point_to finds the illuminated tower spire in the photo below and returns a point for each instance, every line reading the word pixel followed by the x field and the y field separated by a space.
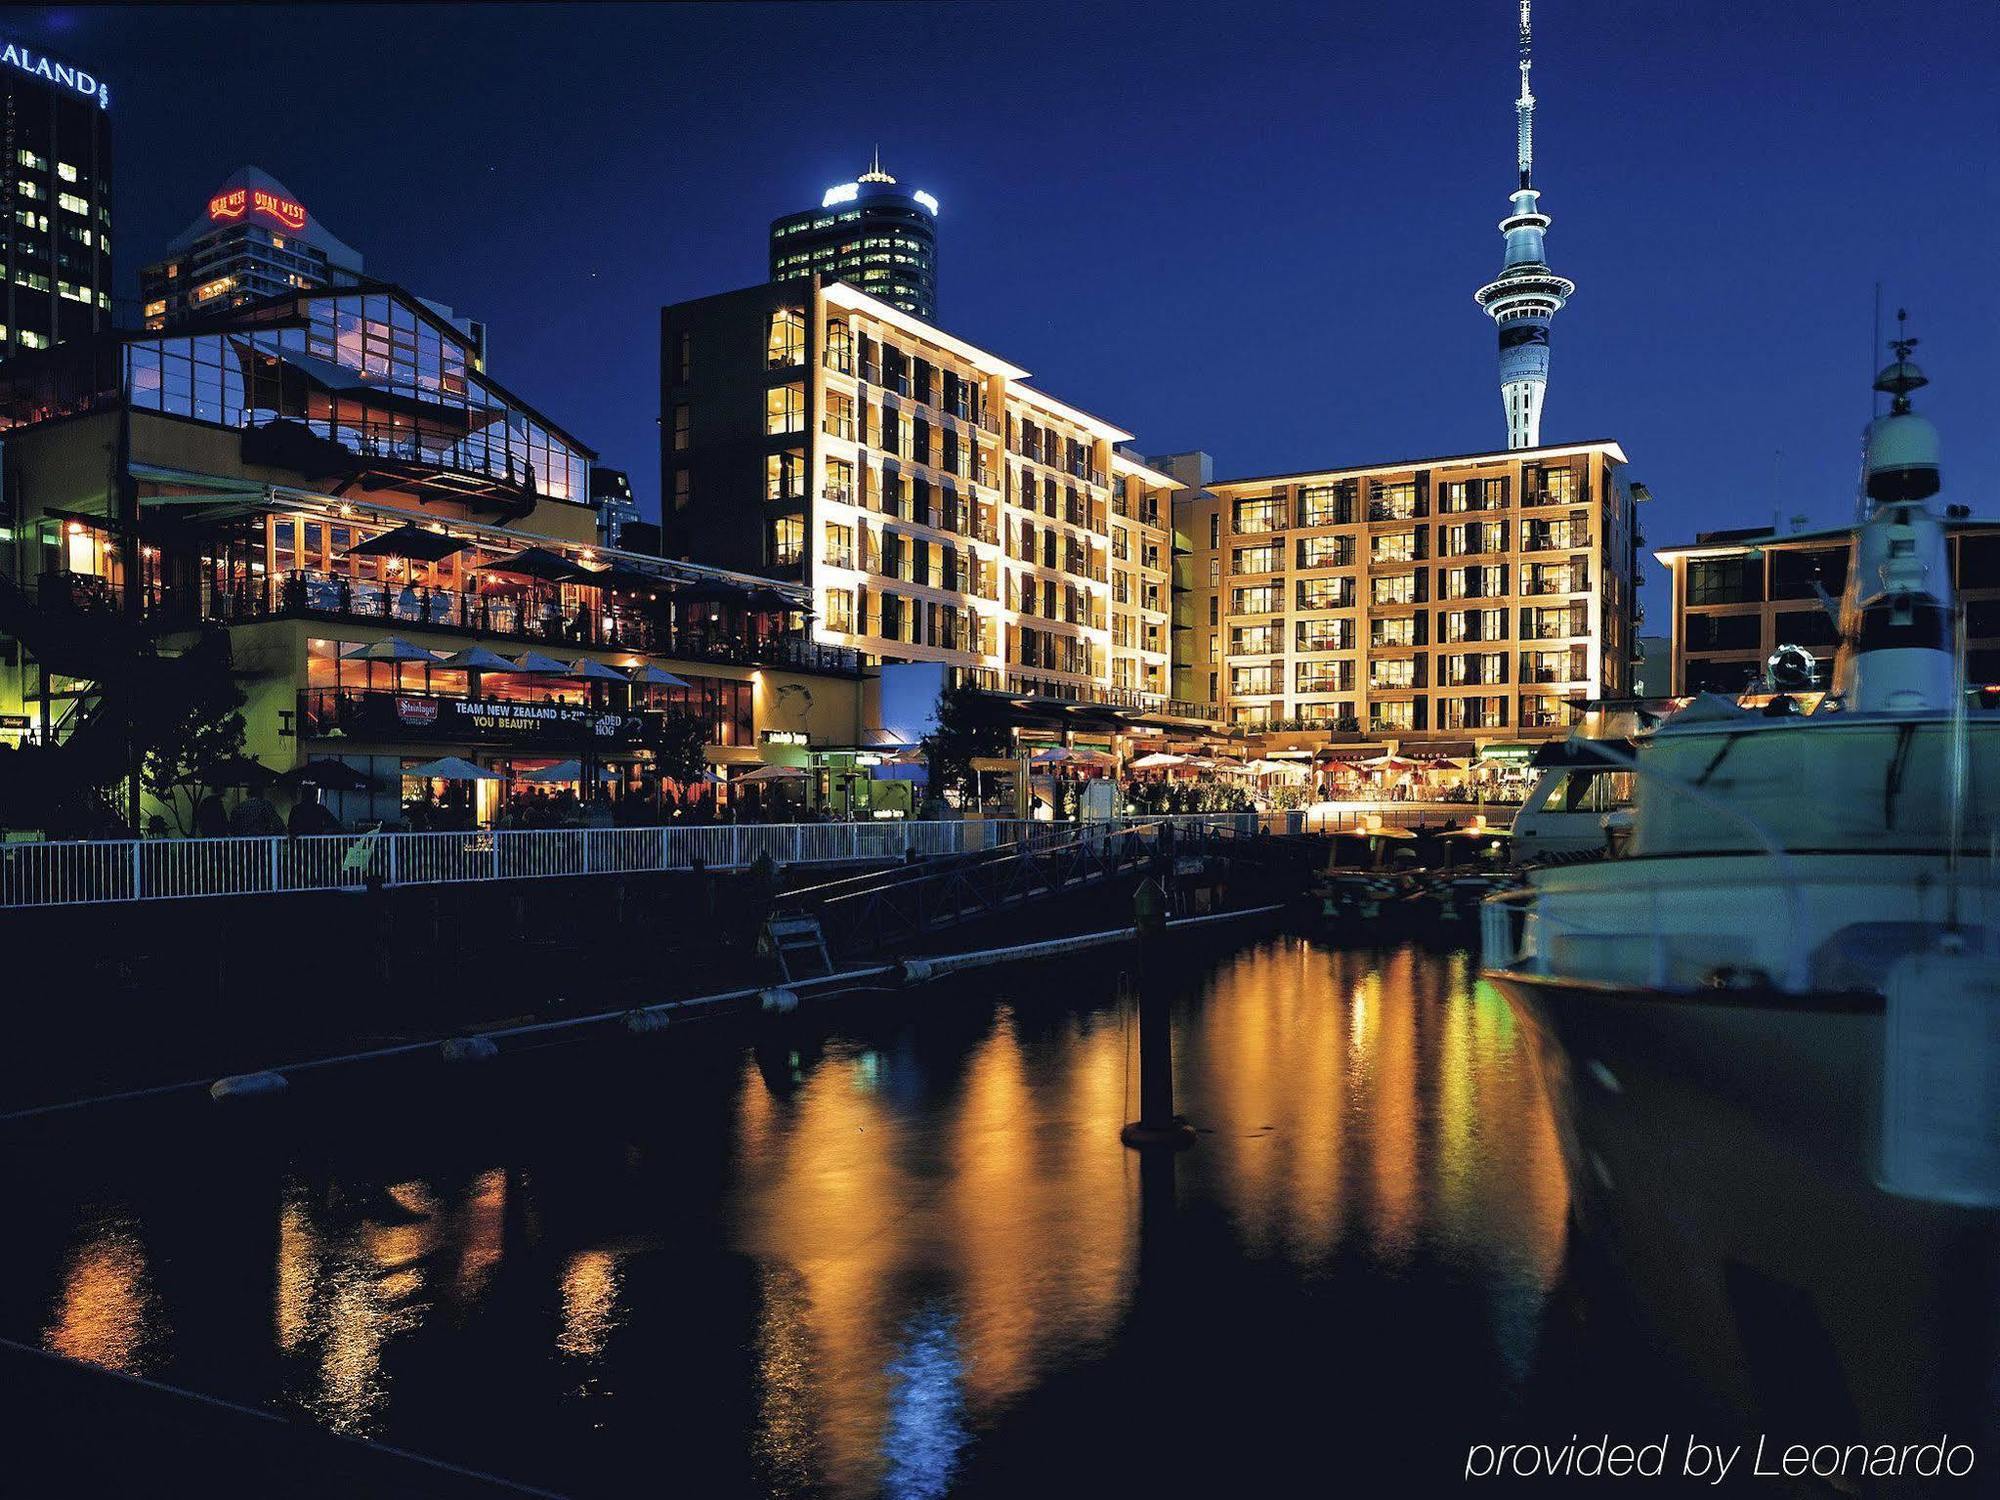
pixel 1528 294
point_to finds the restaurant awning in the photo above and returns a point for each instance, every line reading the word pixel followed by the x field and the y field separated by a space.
pixel 412 543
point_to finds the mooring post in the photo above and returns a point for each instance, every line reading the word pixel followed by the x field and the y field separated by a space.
pixel 1157 1124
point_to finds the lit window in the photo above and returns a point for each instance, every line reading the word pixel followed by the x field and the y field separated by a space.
pixel 65 171
pixel 785 409
pixel 786 345
pixel 33 162
pixel 683 427
pixel 73 203
pixel 33 340
pixel 156 309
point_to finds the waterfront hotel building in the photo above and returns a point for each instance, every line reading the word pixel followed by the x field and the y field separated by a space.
pixel 398 554
pixel 1480 597
pixel 55 130
pixel 934 505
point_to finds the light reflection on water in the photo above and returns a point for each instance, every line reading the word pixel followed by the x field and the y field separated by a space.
pixel 930 1231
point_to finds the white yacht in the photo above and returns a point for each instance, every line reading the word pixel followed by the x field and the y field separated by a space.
pixel 1768 1018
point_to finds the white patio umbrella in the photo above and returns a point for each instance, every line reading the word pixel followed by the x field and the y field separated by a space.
pixel 394 648
pixel 475 659
pixel 774 773
pixel 1159 760
pixel 652 676
pixel 1054 755
pixel 535 662
pixel 567 770
pixel 451 768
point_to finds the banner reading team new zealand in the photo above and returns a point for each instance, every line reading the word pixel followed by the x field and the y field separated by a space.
pixel 486 718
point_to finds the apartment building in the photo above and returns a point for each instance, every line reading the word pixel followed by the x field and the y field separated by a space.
pixel 1473 596
pixel 938 507
pixel 1739 595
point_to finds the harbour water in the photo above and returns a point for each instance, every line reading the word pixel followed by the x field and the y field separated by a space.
pixel 891 1249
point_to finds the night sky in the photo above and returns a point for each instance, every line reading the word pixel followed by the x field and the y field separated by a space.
pixel 1254 229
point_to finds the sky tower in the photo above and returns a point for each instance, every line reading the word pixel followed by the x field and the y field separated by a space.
pixel 1528 294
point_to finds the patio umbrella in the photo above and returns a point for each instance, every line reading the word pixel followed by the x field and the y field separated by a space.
pixel 411 543
pixel 1158 760
pixel 769 600
pixel 1054 755
pixel 394 648
pixel 538 664
pixel 239 770
pixel 774 773
pixel 536 562
pixel 712 591
pixel 626 580
pixel 651 676
pixel 328 776
pixel 476 659
pixel 596 671
pixel 450 768
pixel 1388 763
pixel 566 770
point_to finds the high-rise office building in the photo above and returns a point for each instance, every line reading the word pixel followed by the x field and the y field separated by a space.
pixel 57 228
pixel 871 233
pixel 1480 596
pixel 255 240
pixel 612 498
pixel 1527 295
pixel 939 508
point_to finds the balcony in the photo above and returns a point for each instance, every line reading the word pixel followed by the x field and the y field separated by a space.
pixel 543 621
pixel 839 494
pixel 837 426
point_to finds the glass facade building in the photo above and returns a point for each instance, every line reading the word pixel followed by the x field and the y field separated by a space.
pixel 871 233
pixel 55 126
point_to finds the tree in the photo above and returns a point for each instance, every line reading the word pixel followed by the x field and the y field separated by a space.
pixel 962 734
pixel 681 746
pixel 203 734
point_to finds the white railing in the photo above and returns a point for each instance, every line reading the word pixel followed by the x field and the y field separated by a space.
pixel 55 874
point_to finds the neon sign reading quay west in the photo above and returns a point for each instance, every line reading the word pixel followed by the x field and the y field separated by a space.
pixel 235 203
